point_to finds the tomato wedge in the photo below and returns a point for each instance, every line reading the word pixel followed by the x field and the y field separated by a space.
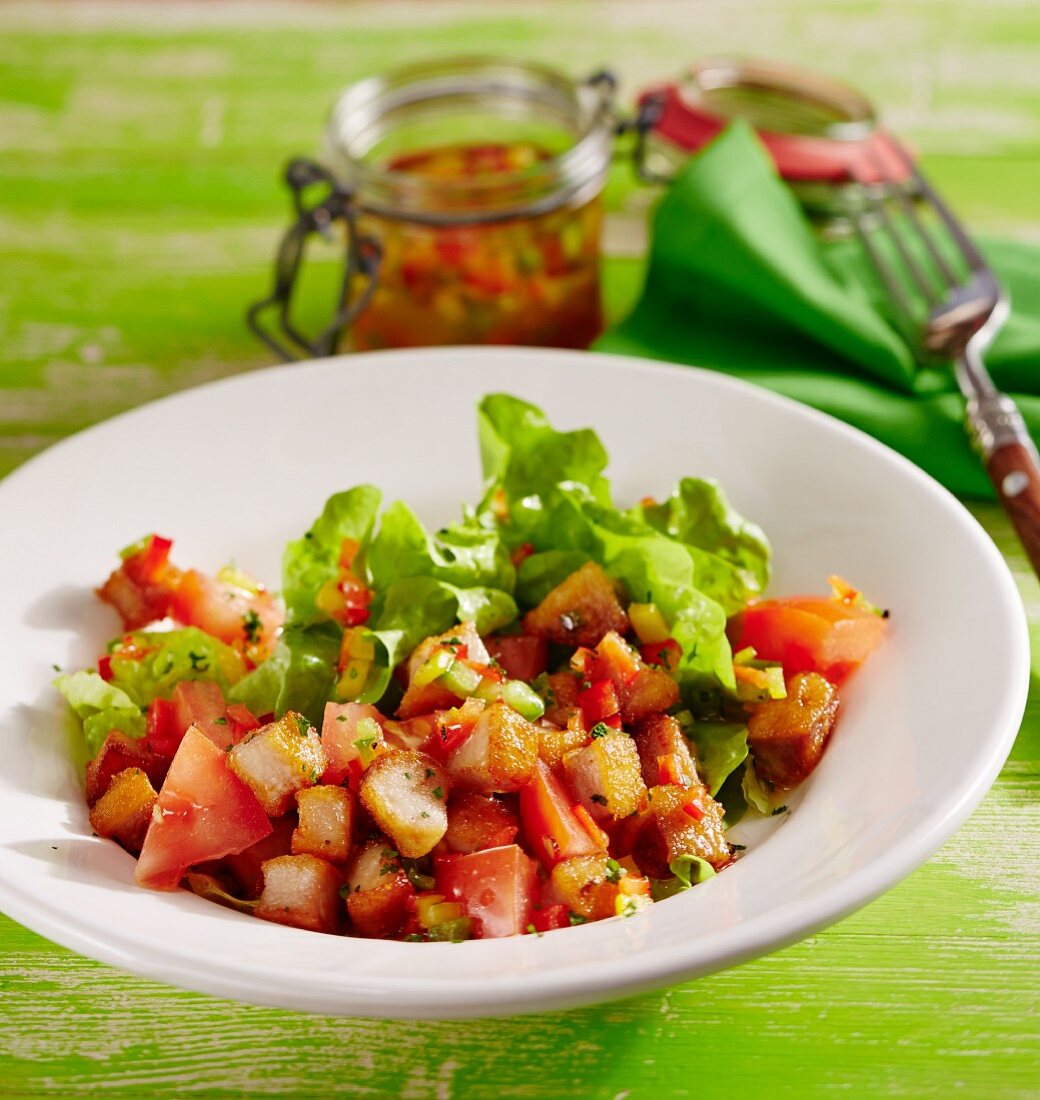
pixel 550 827
pixel 523 656
pixel 810 634
pixel 204 812
pixel 497 887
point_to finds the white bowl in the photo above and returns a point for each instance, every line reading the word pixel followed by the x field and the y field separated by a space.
pixel 235 468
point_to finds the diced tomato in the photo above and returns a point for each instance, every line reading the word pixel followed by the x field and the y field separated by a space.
pixel 522 656
pixel 149 565
pixel 620 662
pixel 161 733
pixel 200 703
pixel 204 812
pixel 547 917
pixel 246 619
pixel 550 828
pixel 810 634
pixel 339 731
pixel 118 753
pixel 598 701
pixel 667 654
pixel 596 834
pixel 242 721
pixel 451 728
pixel 497 887
pixel 670 770
pixel 142 588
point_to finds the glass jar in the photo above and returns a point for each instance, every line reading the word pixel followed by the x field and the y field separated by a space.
pixel 470 191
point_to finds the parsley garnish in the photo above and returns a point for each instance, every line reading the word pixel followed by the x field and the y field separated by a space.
pixel 600 729
pixel 199 663
pixel 302 725
pixel 615 872
pixel 577 918
pixel 253 626
pixel 438 792
pixel 220 721
pixel 430 773
pixel 779 810
pixel 599 799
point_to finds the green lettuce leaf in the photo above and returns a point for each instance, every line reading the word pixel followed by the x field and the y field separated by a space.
pixel 299 675
pixel 185 654
pixel 527 460
pixel 101 707
pixel 721 749
pixel 759 794
pixel 654 568
pixel 310 561
pixel 467 555
pixel 731 555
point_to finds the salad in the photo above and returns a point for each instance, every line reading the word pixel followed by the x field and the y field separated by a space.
pixel 547 713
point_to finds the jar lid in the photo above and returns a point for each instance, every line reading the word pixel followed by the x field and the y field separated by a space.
pixel 816 129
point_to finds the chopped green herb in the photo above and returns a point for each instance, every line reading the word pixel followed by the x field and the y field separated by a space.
pixel 615 872
pixel 779 810
pixel 599 799
pixel 430 773
pixel 220 721
pixel 199 662
pixel 438 792
pixel 302 725
pixel 600 729
pixel 253 626
pixel 577 918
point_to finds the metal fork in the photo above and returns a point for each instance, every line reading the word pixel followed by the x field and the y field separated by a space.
pixel 962 314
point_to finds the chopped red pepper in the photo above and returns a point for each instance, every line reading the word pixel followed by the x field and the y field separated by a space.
pixel 667 654
pixel 596 834
pixel 670 770
pixel 104 667
pixel 160 735
pixel 521 553
pixel 693 809
pixel 599 701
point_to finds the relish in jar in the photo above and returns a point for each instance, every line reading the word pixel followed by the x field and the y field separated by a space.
pixel 528 280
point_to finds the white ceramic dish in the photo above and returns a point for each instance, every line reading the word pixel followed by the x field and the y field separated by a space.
pixel 237 467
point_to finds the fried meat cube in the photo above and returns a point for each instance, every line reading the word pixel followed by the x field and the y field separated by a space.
pixel 679 822
pixel 787 736
pixel 124 811
pixel 278 760
pixel 302 891
pixel 406 793
pixel 326 823
pixel 378 890
pixel 579 610
pixel 606 777
pixel 477 821
pixel 499 755
pixel 659 736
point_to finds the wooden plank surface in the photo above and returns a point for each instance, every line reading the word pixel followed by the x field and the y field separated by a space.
pixel 139 203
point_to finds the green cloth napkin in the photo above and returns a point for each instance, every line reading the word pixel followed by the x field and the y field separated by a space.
pixel 739 281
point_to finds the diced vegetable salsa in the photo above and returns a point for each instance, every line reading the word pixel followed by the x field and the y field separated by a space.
pixel 545 714
pixel 526 280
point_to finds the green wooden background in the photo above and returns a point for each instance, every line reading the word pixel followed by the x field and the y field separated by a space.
pixel 139 204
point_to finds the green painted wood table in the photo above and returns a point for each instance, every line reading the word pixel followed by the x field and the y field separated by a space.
pixel 139 203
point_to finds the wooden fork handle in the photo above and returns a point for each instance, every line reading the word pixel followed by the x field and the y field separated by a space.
pixel 1012 464
pixel 1015 474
